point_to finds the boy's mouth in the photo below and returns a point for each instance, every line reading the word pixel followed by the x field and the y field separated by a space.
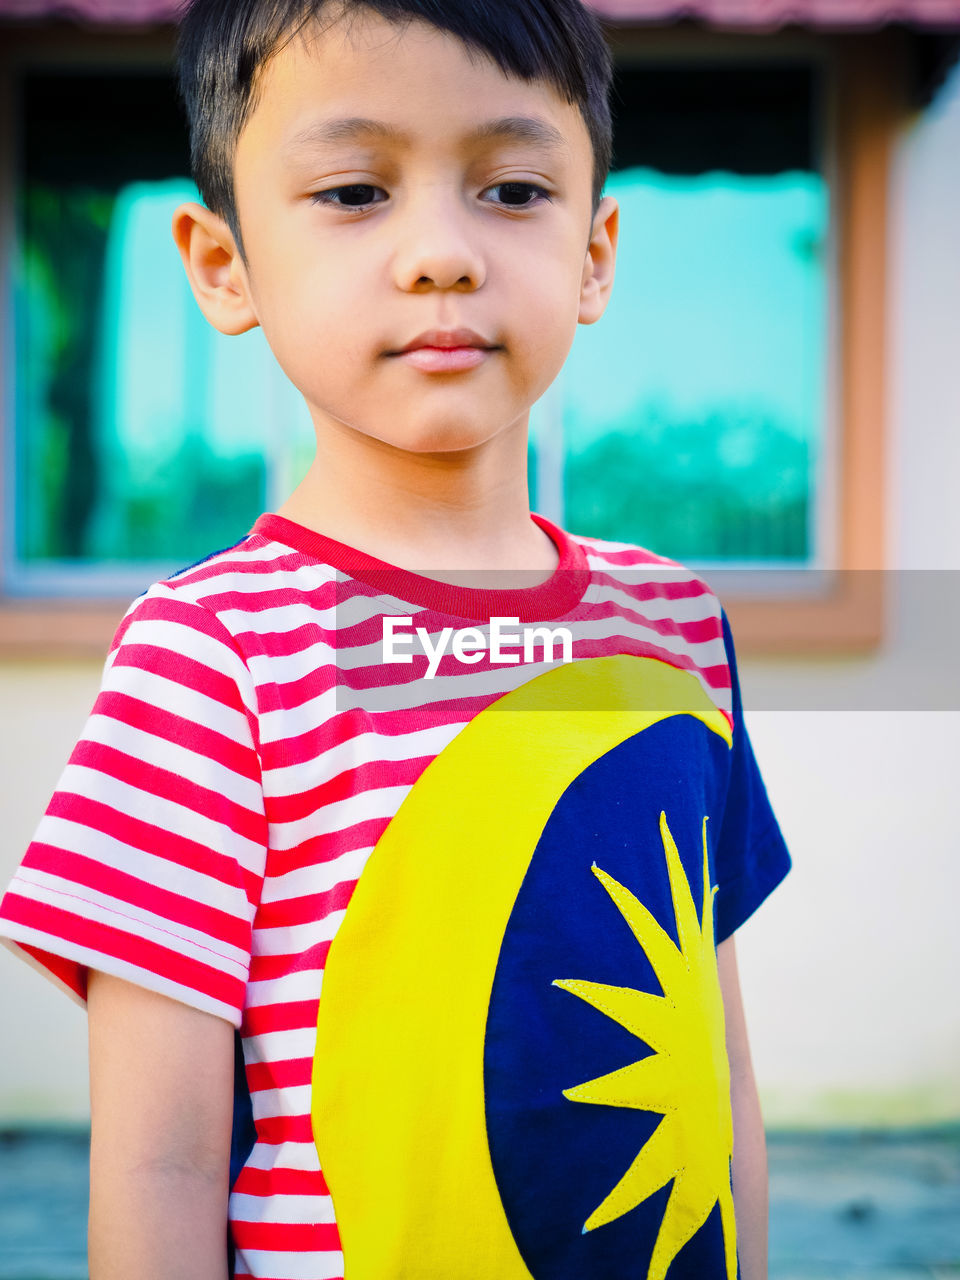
pixel 446 350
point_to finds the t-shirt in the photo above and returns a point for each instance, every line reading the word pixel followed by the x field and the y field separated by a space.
pixel 454 862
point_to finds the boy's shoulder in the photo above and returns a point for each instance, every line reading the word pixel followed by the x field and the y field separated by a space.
pixel 258 558
pixel 632 566
pixel 621 552
pixel 252 575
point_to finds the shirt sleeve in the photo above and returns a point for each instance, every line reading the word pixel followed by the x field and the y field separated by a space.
pixel 751 857
pixel 149 861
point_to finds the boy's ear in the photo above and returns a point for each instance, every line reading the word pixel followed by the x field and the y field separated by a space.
pixel 598 269
pixel 214 268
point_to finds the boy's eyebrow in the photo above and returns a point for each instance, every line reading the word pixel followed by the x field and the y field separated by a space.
pixel 531 129
pixel 520 129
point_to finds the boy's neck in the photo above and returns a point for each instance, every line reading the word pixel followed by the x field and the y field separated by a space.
pixel 435 514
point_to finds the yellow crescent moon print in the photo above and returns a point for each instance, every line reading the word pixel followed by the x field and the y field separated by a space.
pixel 398 1089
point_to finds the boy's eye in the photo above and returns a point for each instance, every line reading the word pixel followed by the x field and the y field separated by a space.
pixel 519 195
pixel 356 195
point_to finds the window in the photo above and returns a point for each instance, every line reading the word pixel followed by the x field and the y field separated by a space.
pixel 728 409
pixel 142 437
pixel 693 417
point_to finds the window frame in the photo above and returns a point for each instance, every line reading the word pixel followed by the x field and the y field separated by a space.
pixel 865 79
pixel 57 625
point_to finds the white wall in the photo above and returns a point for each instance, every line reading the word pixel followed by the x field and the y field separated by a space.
pixel 925 334
pixel 43 1067
pixel 850 970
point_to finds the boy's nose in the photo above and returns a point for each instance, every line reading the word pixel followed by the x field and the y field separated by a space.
pixel 438 252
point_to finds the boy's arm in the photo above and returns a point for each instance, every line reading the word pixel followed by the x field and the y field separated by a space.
pixel 750 1187
pixel 161 1100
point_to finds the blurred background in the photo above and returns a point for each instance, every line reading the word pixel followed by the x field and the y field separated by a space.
pixel 773 396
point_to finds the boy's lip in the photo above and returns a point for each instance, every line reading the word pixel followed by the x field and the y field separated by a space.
pixel 446 340
pixel 446 351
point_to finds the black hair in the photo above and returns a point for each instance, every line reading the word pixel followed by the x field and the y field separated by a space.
pixel 223 45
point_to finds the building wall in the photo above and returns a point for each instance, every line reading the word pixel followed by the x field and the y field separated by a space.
pixel 849 970
pixel 43 1069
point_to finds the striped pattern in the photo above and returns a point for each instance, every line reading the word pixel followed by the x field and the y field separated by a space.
pixel 246 752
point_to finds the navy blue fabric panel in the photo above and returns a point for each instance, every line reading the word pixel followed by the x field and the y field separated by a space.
pixel 244 1133
pixel 555 1159
pixel 751 856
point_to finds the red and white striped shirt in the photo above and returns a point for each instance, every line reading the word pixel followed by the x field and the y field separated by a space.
pixel 247 751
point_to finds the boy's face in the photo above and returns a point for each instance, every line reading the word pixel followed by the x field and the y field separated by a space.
pixel 391 191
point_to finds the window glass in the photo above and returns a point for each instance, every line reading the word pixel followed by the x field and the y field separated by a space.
pixel 144 438
pixel 691 418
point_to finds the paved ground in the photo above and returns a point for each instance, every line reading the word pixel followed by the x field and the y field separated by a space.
pixel 865 1208
pixel 43 1206
pixel 844 1207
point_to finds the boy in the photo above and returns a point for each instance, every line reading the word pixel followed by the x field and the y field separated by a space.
pixel 489 1009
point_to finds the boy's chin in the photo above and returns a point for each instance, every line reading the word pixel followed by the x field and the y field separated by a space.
pixel 441 438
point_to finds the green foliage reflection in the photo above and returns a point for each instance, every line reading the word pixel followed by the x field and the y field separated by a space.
pixel 695 490
pixel 81 497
